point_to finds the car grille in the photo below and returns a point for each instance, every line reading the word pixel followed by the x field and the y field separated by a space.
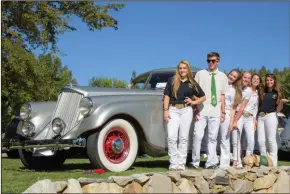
pixel 67 109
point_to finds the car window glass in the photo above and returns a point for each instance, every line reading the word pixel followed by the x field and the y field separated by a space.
pixel 139 82
pixel 159 80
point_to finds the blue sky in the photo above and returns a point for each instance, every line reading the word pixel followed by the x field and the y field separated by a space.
pixel 160 34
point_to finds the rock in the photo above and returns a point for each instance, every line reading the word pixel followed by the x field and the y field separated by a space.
pixel 208 173
pixel 264 183
pixel 286 168
pixel 174 176
pixel 211 183
pixel 239 173
pixel 162 173
pixel 253 170
pixel 262 171
pixel 73 187
pixel 158 184
pixel 102 188
pixel 259 174
pixel 228 190
pixel 220 172
pixel 201 185
pixel 148 173
pixel 134 187
pixel 175 188
pixel 266 168
pixel 251 176
pixel 140 178
pixel 85 181
pixel 282 184
pixel 121 180
pixel 186 186
pixel 60 186
pixel 221 181
pixel 275 170
pixel 242 186
pixel 218 189
pixel 190 174
pixel 270 190
pixel 42 186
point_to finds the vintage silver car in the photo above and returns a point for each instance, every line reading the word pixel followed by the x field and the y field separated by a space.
pixel 110 124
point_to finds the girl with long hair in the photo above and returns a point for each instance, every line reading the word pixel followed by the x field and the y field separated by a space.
pixel 232 99
pixel 271 103
pixel 178 113
pixel 244 118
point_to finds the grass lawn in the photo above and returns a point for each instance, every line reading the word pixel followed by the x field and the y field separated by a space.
pixel 16 178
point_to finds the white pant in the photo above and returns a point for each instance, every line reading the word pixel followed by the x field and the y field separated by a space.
pixel 225 142
pixel 199 128
pixel 267 128
pixel 246 124
pixel 178 127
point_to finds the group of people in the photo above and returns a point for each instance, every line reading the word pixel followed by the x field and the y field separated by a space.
pixel 228 106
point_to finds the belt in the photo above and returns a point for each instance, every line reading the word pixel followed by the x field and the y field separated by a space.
pixel 262 114
pixel 179 106
pixel 247 114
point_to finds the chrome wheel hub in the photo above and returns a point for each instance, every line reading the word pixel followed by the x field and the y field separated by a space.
pixel 118 145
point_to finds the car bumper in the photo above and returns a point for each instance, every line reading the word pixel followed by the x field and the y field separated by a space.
pixel 48 143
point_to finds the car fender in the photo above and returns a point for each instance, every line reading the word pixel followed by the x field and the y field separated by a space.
pixel 135 109
pixel 40 116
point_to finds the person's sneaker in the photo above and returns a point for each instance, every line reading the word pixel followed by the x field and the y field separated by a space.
pixel 194 166
pixel 211 167
pixel 181 168
pixel 173 168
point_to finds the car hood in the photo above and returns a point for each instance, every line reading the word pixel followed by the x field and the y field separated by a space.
pixel 98 91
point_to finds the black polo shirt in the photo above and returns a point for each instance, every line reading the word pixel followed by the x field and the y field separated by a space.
pixel 268 104
pixel 186 89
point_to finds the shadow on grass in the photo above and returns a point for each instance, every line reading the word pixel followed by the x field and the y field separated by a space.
pixel 65 167
pixel 159 164
pixel 87 166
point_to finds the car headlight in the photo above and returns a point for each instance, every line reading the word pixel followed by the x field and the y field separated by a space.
pixel 25 111
pixel 57 125
pixel 27 128
pixel 86 105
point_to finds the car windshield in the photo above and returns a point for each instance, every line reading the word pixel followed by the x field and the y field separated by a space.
pixel 159 80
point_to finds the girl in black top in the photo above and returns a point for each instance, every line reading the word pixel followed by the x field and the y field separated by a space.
pixel 271 103
pixel 178 114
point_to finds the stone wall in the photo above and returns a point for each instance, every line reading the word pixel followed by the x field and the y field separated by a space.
pixel 256 180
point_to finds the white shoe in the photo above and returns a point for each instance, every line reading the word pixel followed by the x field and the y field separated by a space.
pixel 173 168
pixel 181 168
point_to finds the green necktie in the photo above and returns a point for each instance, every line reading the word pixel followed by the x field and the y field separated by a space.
pixel 213 90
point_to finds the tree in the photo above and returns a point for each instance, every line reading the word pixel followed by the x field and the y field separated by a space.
pixel 29 25
pixel 263 71
pixel 107 82
pixel 134 75
pixel 38 23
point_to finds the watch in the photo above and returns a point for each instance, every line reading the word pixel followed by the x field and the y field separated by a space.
pixel 224 113
pixel 165 109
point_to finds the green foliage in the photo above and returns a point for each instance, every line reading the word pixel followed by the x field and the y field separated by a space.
pixel 37 24
pixel 23 79
pixel 134 75
pixel 107 82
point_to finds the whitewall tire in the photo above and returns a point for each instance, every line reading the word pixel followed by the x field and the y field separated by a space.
pixel 115 147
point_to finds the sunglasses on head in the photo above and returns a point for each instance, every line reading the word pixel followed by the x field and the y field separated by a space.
pixel 270 74
pixel 213 61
